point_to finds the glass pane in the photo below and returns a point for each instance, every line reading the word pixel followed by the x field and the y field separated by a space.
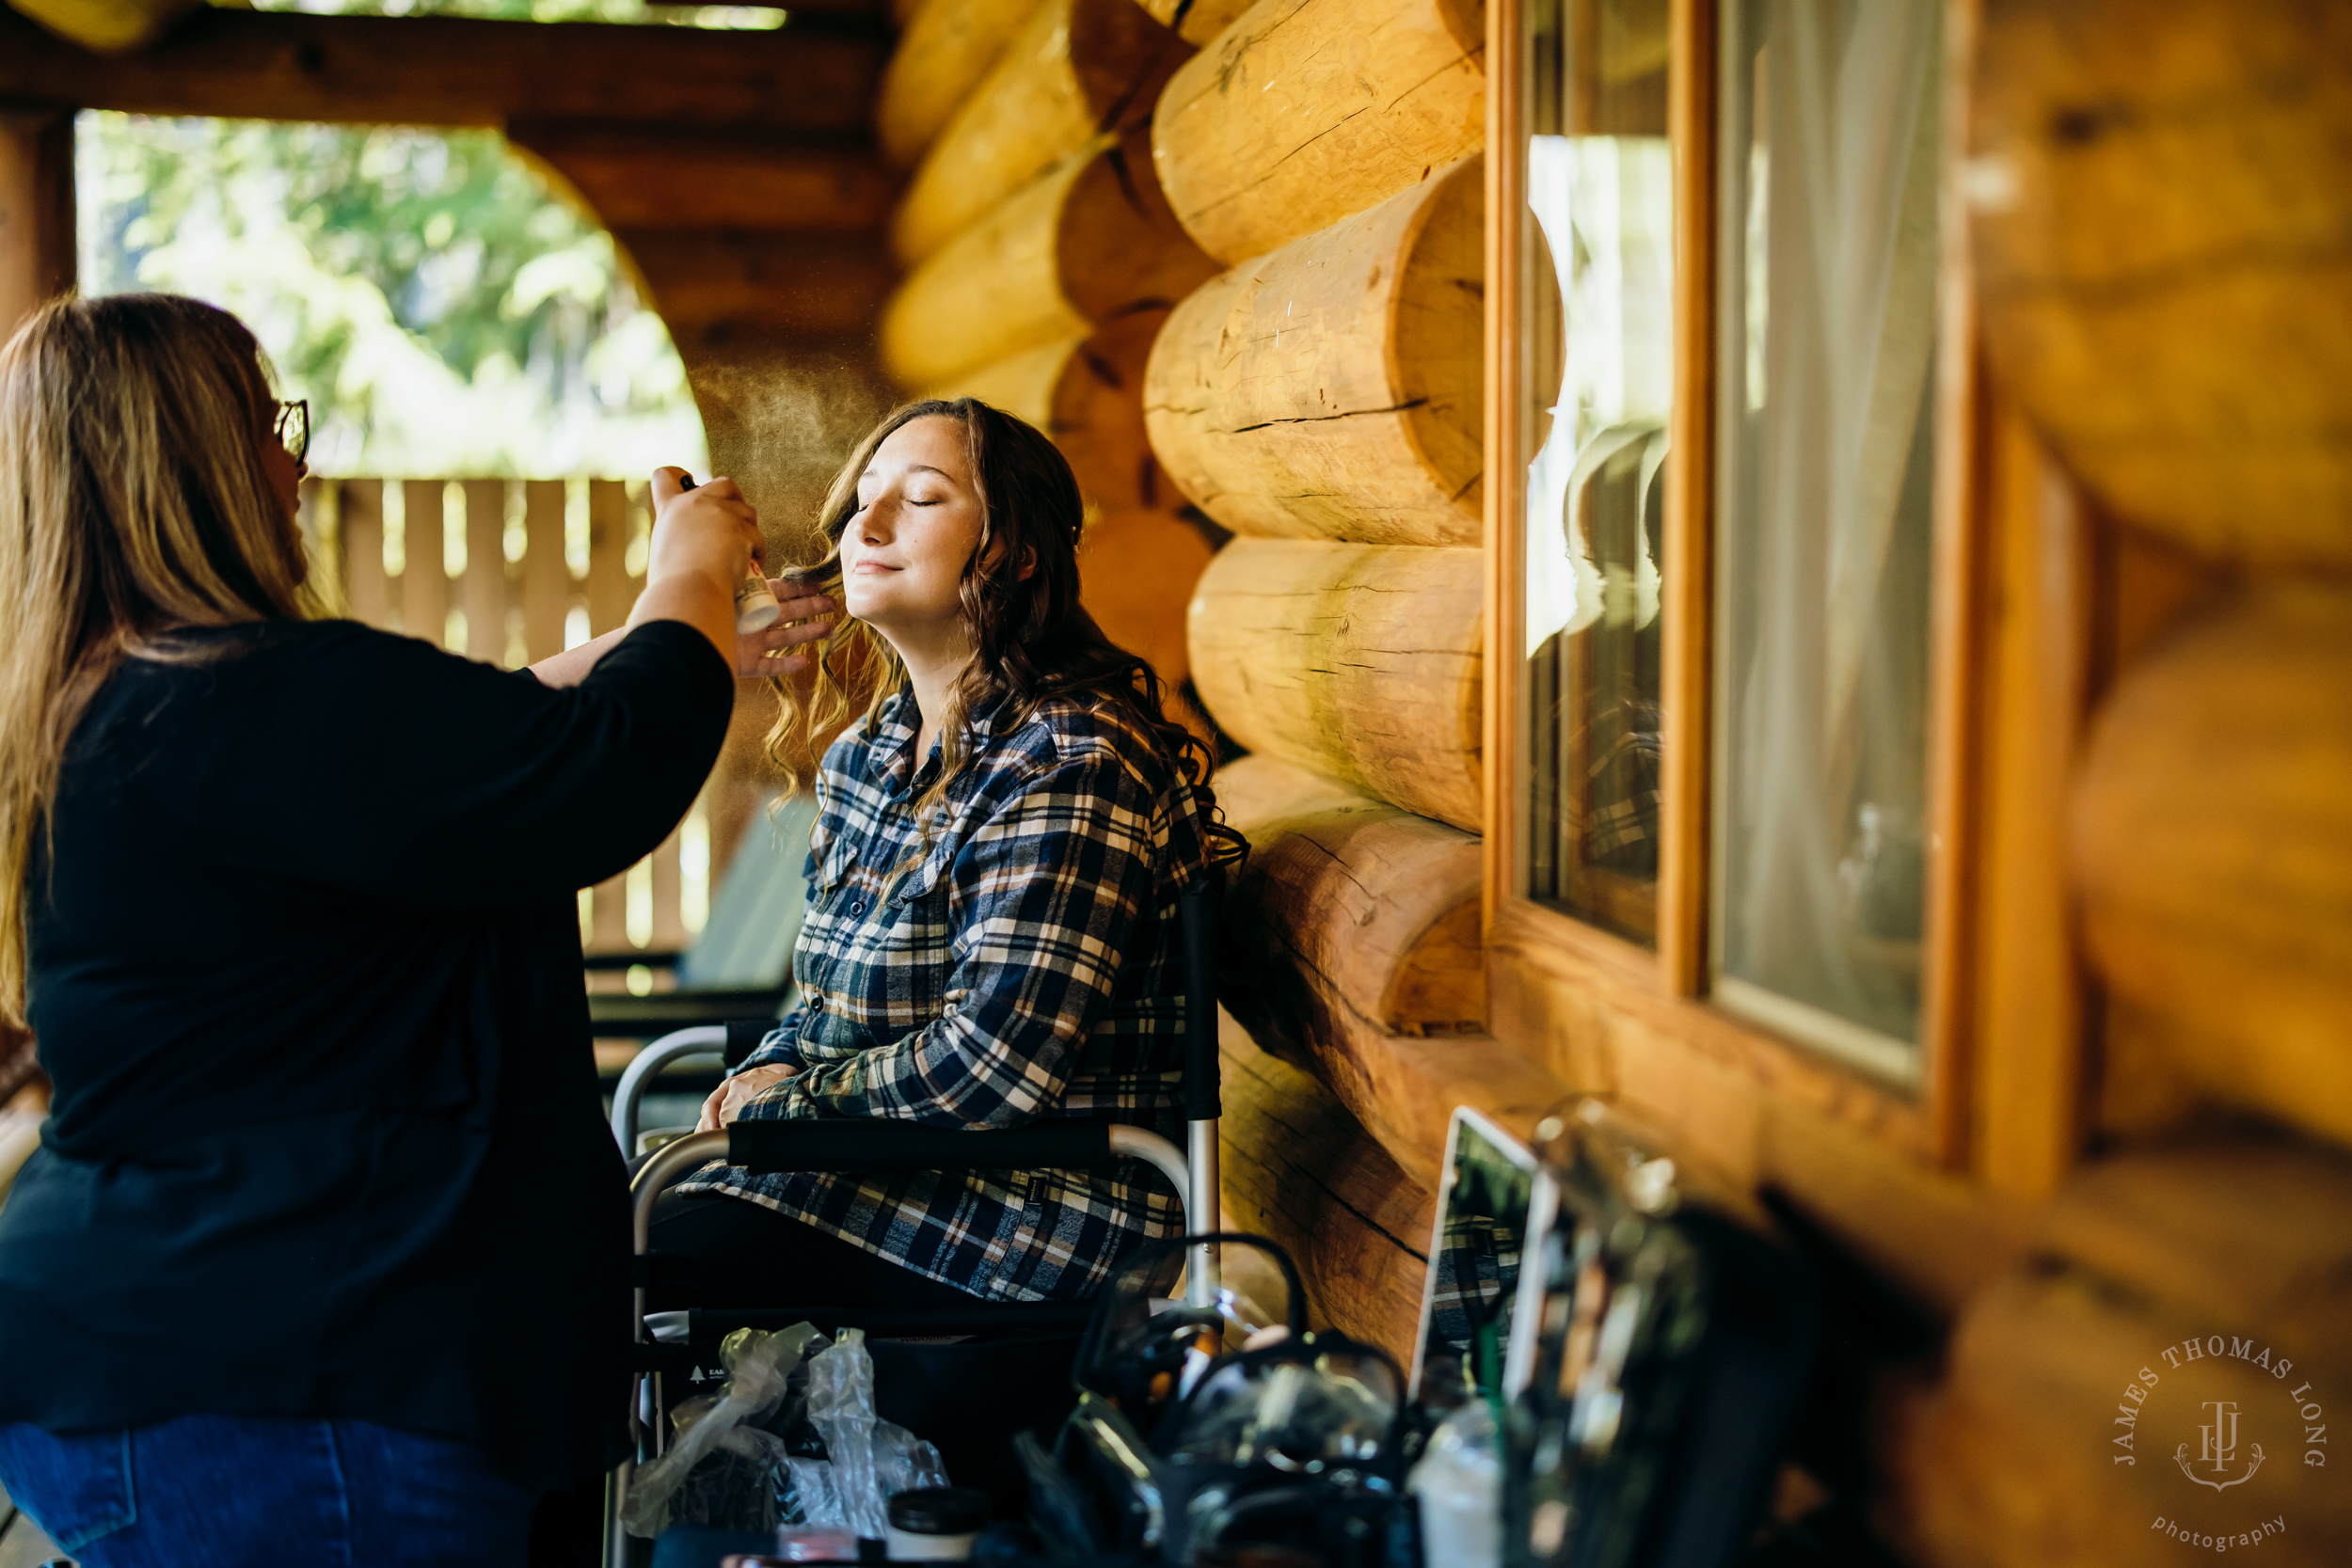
pixel 1829 261
pixel 1599 276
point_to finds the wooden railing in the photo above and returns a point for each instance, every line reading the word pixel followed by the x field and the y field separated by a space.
pixel 512 570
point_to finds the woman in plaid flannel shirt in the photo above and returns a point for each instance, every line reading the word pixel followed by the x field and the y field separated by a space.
pixel 992 932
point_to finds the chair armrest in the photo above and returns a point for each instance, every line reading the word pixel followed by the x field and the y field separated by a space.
pixel 866 1147
pixel 665 959
pixel 613 1013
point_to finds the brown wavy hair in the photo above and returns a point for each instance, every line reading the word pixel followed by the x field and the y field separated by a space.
pixel 1032 640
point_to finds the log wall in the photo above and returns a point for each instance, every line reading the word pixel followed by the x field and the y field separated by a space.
pixel 1044 260
pixel 1303 112
pixel 1332 390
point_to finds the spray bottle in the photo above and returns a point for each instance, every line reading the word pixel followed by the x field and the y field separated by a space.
pixel 755 606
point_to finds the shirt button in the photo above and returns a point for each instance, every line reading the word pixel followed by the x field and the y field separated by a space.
pixel 816 1003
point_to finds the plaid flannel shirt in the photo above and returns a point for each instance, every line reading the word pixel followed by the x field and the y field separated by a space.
pixel 1027 964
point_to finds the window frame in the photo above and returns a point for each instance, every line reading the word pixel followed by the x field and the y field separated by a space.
pixel 2004 1054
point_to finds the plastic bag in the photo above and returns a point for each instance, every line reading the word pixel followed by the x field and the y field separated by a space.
pixel 739 1485
pixel 866 1458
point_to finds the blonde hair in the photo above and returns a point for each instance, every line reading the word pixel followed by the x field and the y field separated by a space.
pixel 134 502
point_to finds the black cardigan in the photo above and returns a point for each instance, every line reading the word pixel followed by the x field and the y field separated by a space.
pixel 305 970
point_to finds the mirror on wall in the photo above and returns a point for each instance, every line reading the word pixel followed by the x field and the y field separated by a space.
pixel 1598 331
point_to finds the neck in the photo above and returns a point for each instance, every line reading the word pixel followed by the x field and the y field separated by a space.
pixel 934 658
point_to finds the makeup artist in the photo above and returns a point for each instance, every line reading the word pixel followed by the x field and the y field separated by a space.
pixel 323 1258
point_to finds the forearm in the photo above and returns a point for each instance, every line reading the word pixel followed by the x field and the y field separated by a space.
pixel 701 599
pixel 571 666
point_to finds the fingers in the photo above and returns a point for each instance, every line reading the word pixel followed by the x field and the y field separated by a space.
pixel 708 1120
pixel 800 600
pixel 726 490
pixel 668 484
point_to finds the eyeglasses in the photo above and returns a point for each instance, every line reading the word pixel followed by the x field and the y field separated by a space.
pixel 293 428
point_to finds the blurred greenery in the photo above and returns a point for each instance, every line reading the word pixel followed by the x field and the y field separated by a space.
pixel 442 310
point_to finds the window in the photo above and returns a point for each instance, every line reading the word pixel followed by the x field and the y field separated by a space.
pixel 1826 328
pixel 1597 322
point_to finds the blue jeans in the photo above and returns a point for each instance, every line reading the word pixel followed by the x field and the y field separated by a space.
pixel 263 1492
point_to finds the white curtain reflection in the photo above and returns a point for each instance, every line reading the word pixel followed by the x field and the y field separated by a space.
pixel 1825 520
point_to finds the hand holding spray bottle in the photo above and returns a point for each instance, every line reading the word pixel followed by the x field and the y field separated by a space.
pixel 755 606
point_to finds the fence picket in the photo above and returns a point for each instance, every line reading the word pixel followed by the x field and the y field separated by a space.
pixel 539 594
pixel 360 513
pixel 423 585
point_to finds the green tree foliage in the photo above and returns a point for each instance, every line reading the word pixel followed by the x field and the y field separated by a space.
pixel 442 310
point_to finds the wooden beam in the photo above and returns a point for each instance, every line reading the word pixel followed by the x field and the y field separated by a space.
pixel 947 48
pixel 1090 242
pixel 738 281
pixel 37 248
pixel 108 26
pixel 1332 388
pixel 1079 69
pixel 445 70
pixel 1304 111
pixel 661 179
pixel 1357 662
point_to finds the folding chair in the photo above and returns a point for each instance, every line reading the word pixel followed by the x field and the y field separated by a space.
pixel 864 1147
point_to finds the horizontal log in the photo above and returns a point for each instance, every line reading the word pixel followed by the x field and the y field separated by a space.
pixel 448 71
pixel 736 280
pixel 1304 111
pixel 2016 1459
pixel 2213 850
pixel 1089 242
pixel 1135 570
pixel 107 26
pixel 1087 393
pixel 948 48
pixel 1357 662
pixel 1197 22
pixel 2163 238
pixel 1295 1169
pixel 660 180
pixel 1077 70
pixel 1332 390
pixel 1379 905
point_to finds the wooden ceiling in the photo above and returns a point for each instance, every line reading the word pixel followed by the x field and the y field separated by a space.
pixel 737 168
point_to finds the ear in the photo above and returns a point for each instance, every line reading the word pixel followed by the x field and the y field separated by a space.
pixel 1028 564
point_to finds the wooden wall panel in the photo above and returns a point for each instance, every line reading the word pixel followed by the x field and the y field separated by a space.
pixel 1086 244
pixel 1306 111
pixel 2163 235
pixel 947 48
pixel 1077 70
pixel 1357 662
pixel 1332 388
pixel 2212 834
